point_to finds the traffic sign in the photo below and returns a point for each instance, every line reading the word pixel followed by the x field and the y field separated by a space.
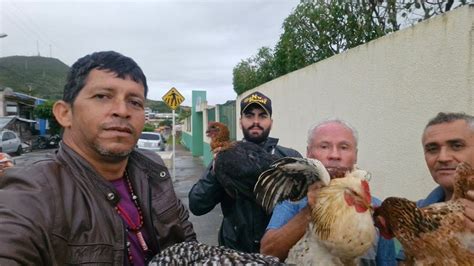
pixel 173 98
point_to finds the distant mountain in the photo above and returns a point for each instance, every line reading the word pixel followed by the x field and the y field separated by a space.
pixel 158 106
pixel 42 77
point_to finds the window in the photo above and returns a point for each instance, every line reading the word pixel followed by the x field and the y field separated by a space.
pixel 150 136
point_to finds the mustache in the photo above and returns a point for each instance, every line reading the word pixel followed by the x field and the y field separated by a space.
pixel 119 126
pixel 255 126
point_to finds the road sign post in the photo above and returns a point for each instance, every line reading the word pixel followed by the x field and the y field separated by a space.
pixel 173 99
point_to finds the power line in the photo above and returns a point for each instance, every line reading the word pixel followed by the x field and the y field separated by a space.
pixel 30 29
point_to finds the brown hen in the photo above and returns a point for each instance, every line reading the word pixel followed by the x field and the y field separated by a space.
pixel 219 135
pixel 433 235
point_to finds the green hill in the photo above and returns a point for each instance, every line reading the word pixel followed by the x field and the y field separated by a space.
pixel 38 76
pixel 44 77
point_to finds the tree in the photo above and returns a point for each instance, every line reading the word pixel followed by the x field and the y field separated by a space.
pixel 183 114
pixel 166 122
pixel 254 71
pixel 244 76
pixel 318 29
pixel 45 111
pixel 147 127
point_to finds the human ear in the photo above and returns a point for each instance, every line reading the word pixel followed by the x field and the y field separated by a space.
pixel 63 113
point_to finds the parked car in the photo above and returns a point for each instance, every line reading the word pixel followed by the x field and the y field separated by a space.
pixel 151 141
pixel 10 142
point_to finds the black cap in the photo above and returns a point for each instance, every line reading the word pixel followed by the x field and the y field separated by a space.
pixel 257 98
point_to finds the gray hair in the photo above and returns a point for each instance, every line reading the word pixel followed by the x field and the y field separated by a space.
pixel 329 121
pixel 442 118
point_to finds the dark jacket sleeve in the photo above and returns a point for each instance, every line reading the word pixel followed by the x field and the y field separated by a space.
pixel 23 220
pixel 205 194
pixel 287 152
pixel 165 201
pixel 187 226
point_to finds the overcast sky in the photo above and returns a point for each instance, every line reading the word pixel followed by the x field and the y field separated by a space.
pixel 187 44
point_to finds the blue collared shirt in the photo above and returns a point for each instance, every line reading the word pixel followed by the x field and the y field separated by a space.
pixel 382 253
pixel 437 195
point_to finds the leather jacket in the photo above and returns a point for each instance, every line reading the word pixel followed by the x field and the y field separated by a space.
pixel 61 211
pixel 244 221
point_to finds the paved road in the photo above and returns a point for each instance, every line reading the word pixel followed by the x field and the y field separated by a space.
pixel 188 170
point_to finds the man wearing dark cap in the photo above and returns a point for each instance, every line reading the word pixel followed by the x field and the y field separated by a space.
pixel 244 220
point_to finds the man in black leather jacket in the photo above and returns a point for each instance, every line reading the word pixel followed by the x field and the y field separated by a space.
pixel 98 200
pixel 244 220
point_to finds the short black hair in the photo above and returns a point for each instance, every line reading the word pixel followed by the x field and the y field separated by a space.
pixel 122 66
pixel 442 118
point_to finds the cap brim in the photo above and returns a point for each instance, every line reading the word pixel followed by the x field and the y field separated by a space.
pixel 259 104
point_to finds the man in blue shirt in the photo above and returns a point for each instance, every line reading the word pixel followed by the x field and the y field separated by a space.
pixel 448 139
pixel 334 143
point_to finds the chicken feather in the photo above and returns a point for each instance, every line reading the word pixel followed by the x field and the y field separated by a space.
pixel 433 235
pixel 341 227
pixel 288 178
pixel 237 164
pixel 195 253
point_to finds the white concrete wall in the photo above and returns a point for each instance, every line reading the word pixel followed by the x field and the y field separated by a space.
pixel 388 89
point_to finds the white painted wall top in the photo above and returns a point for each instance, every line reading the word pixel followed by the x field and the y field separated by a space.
pixel 387 89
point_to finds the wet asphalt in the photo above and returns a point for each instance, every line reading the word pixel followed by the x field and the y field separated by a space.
pixel 189 170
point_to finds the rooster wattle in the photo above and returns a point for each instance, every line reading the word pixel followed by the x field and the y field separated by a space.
pixel 341 227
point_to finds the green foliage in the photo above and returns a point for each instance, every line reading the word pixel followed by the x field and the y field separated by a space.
pixel 318 29
pixel 184 113
pixel 41 77
pixel 45 111
pixel 166 122
pixel 244 77
pixel 158 106
pixel 148 127
pixel 254 71
pixel 44 77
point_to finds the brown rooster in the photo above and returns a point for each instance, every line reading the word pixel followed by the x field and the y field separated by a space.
pixel 433 235
pixel 237 164
pixel 341 228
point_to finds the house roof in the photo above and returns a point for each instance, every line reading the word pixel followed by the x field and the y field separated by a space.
pixel 5 120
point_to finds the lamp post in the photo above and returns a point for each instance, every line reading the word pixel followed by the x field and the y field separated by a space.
pixel 3 35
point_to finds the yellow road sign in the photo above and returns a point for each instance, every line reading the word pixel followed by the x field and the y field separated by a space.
pixel 173 98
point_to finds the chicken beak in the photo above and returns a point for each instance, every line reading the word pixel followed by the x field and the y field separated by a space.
pixel 371 207
pixel 368 205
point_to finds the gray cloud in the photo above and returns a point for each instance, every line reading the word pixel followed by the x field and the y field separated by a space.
pixel 191 45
